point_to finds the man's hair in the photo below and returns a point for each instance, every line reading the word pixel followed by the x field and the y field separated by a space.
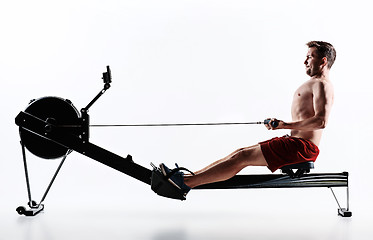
pixel 324 49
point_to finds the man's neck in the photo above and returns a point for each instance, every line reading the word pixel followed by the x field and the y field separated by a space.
pixel 322 75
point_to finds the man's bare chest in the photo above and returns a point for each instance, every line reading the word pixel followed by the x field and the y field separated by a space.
pixel 303 101
pixel 302 94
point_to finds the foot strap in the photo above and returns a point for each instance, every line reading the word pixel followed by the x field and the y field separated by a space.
pixel 173 171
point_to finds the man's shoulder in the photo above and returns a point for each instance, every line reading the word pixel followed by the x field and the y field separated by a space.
pixel 322 87
pixel 317 83
pixel 325 83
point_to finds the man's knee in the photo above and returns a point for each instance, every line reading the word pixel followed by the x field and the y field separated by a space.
pixel 243 154
pixel 252 156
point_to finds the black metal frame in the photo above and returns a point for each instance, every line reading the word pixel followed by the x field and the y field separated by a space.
pixel 80 143
pixel 164 188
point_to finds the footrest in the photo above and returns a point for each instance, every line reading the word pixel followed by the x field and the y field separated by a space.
pixel 163 187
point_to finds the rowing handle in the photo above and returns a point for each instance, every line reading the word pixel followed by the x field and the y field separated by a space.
pixel 273 123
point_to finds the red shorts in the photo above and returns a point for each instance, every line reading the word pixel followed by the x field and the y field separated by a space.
pixel 282 151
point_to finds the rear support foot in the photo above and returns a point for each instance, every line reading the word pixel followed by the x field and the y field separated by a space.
pixel 343 212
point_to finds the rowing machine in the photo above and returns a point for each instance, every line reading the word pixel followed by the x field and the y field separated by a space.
pixel 51 127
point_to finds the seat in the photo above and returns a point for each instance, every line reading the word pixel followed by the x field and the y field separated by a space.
pixel 301 168
pixel 303 165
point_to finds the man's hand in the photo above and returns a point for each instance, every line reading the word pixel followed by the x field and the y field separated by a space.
pixel 272 122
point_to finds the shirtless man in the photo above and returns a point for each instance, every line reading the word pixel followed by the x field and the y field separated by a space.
pixel 310 110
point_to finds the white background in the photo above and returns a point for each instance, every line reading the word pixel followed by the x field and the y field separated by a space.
pixel 182 61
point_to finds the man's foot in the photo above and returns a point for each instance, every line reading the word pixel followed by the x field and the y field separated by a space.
pixel 175 177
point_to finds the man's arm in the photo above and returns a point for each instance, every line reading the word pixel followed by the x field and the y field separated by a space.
pixel 322 102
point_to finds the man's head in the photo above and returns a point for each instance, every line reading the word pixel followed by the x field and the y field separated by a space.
pixel 320 55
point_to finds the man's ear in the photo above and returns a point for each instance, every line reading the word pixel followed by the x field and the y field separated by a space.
pixel 324 61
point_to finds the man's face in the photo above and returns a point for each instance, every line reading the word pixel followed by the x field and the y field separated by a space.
pixel 313 62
